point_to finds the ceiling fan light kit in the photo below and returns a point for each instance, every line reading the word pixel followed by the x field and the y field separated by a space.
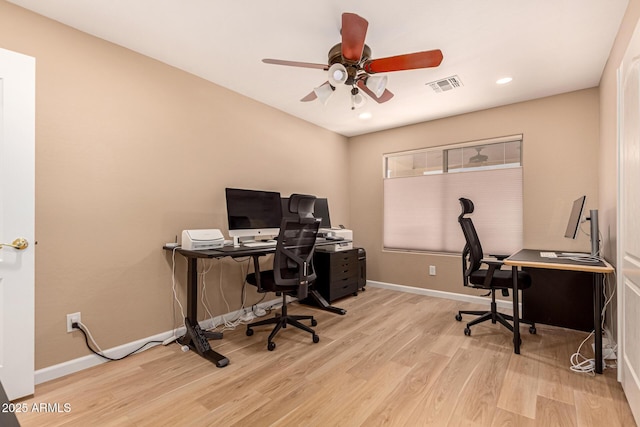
pixel 337 74
pixel 350 63
pixel 376 84
pixel 324 92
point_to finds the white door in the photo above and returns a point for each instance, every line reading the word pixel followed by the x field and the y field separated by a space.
pixel 17 189
pixel 629 225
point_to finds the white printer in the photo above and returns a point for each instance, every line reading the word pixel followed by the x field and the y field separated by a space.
pixel 198 240
pixel 342 238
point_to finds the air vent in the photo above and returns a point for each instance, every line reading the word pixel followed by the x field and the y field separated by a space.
pixel 445 85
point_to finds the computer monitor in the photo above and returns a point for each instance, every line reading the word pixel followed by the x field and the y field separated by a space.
pixel 574 225
pixel 253 213
pixel 574 218
pixel 320 210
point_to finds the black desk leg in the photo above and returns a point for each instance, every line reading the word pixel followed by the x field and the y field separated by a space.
pixel 319 299
pixel 597 321
pixel 516 313
pixel 195 337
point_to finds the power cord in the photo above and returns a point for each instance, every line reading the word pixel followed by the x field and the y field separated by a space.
pixel 85 331
pixel 581 364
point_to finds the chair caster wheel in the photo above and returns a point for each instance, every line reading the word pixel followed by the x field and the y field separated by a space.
pixel 467 332
pixel 271 346
pixel 249 332
pixel 459 317
pixel 316 338
pixel 532 330
pixel 314 322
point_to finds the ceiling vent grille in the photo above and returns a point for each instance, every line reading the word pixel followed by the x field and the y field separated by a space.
pixel 445 85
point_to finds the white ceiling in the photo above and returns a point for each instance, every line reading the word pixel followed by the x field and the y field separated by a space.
pixel 546 46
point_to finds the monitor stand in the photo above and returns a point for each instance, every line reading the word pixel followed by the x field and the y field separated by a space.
pixel 595 232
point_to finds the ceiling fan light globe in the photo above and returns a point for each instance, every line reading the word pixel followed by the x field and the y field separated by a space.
pixel 324 92
pixel 337 74
pixel 377 84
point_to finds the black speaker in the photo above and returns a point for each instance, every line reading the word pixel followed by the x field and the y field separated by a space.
pixel 362 269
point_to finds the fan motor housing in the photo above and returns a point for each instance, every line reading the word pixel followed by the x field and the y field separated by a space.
pixel 335 57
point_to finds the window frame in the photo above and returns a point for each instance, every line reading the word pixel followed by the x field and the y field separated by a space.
pixel 510 161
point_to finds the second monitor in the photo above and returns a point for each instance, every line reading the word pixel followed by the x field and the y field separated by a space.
pixel 320 210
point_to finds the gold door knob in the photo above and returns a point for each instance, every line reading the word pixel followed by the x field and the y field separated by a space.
pixel 18 244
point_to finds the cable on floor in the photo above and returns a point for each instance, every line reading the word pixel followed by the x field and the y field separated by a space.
pixel 85 331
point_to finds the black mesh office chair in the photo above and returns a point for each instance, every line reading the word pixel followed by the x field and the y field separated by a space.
pixel 292 266
pixel 492 278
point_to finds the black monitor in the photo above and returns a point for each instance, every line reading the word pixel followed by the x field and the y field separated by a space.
pixel 253 213
pixel 320 210
pixel 574 218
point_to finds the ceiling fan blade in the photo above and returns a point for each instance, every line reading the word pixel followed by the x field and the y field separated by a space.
pixel 410 61
pixel 295 64
pixel 354 31
pixel 310 97
pixel 386 95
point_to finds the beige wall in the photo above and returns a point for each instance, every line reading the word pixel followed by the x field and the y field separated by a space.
pixel 129 152
pixel 560 164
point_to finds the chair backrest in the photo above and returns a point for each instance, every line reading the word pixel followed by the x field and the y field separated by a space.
pixel 293 260
pixel 472 252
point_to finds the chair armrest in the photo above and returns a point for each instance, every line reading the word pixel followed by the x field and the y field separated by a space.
pixel 494 265
pixel 494 262
pixel 500 257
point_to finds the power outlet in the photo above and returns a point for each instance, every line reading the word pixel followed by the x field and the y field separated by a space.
pixel 71 319
pixel 432 270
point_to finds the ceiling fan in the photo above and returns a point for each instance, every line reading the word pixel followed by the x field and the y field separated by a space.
pixel 478 158
pixel 350 64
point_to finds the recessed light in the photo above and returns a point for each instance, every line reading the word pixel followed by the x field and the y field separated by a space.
pixel 364 116
pixel 504 80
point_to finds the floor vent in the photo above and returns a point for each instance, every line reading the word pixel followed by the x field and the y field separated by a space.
pixel 447 84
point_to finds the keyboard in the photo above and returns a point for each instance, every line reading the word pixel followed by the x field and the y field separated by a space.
pixel 263 244
pixel 548 255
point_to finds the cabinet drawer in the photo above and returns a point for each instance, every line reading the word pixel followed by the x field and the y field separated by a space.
pixel 339 272
pixel 343 258
pixel 343 287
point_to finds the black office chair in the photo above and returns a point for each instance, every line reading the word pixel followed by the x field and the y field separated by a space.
pixel 492 278
pixel 292 266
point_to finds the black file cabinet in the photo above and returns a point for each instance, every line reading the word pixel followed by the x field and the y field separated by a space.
pixel 338 273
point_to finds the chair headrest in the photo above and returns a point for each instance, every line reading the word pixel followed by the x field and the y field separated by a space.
pixel 303 205
pixel 467 206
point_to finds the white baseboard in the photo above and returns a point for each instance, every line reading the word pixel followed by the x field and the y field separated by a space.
pixel 76 365
pixel 504 305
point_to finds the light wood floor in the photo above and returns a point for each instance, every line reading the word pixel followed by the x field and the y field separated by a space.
pixel 395 359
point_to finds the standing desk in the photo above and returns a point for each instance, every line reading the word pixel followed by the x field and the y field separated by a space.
pixel 195 337
pixel 531 258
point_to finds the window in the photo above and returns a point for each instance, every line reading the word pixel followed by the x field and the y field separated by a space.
pixel 422 188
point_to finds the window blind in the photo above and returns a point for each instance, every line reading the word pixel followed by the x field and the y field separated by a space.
pixel 421 212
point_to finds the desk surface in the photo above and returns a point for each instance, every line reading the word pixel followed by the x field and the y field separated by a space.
pixel 532 258
pixel 241 251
